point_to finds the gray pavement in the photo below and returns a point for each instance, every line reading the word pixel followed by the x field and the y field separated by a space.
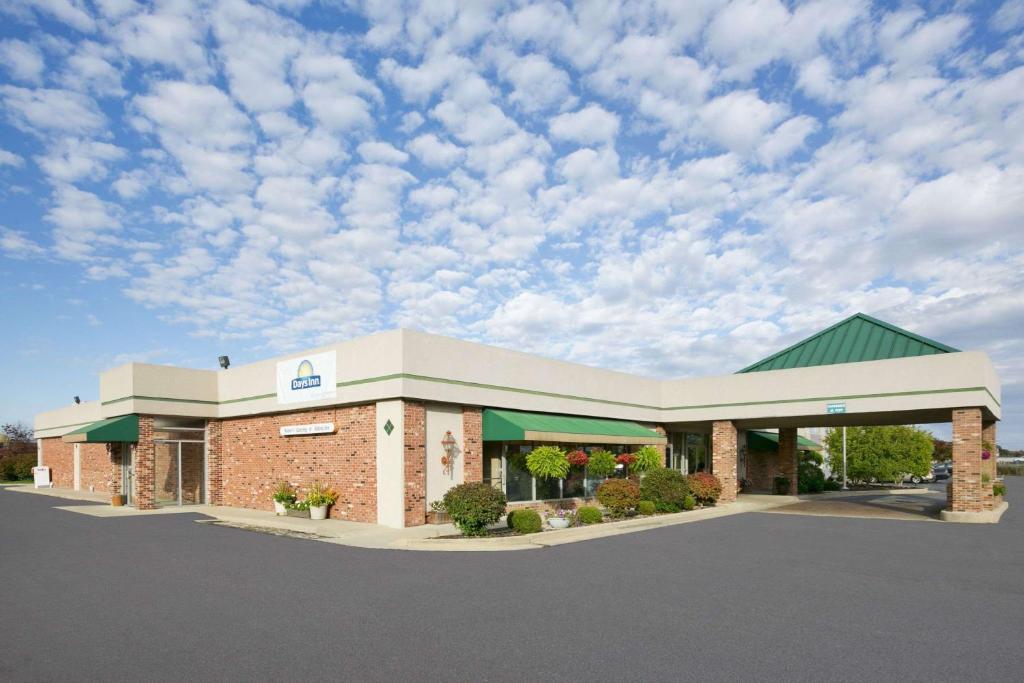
pixel 753 596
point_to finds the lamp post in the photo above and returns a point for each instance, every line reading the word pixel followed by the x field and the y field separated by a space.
pixel 448 460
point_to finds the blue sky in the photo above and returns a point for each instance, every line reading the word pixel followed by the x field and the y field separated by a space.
pixel 659 187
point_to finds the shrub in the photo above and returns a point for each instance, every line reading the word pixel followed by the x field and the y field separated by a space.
pixel 602 464
pixel 526 521
pixel 689 502
pixel 16 467
pixel 704 487
pixel 648 458
pixel 320 495
pixel 547 462
pixel 833 485
pixel 666 488
pixel 998 489
pixel 809 478
pixel 589 515
pixel 475 506
pixel 578 458
pixel 619 496
pixel 646 507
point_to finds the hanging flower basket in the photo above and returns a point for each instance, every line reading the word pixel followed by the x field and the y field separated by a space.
pixel 578 459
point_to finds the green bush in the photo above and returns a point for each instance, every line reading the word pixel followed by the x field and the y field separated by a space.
pixel 704 487
pixel 602 464
pixel 646 507
pixel 526 521
pixel 547 462
pixel 589 515
pixel 689 502
pixel 475 506
pixel 833 485
pixel 619 496
pixel 998 489
pixel 809 478
pixel 666 488
pixel 17 467
pixel 648 458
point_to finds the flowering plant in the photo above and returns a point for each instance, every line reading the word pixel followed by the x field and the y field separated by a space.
pixel 985 455
pixel 320 495
pixel 559 514
pixel 626 459
pixel 578 458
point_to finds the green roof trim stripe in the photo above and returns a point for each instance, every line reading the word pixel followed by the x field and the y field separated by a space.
pixel 853 340
pixel 769 441
pixel 512 425
pixel 114 429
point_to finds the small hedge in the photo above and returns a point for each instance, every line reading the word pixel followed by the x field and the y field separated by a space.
pixel 704 487
pixel 525 521
pixel 665 488
pixel 689 502
pixel 646 507
pixel 17 467
pixel 619 496
pixel 998 489
pixel 589 515
pixel 832 485
pixel 809 478
pixel 475 506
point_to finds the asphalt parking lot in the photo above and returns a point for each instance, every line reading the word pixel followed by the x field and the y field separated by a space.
pixel 752 596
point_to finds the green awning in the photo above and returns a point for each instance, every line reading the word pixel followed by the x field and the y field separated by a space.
pixel 511 425
pixel 769 441
pixel 124 428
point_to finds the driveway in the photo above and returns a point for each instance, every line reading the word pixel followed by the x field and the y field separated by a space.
pixel 745 597
pixel 920 505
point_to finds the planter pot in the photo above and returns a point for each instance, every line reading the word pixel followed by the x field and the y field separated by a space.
pixel 435 517
pixel 117 500
pixel 558 523
pixel 303 514
pixel 318 512
pixel 279 509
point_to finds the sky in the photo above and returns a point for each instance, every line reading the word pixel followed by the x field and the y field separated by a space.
pixel 667 188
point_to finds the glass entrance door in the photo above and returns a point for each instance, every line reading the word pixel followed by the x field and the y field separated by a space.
pixel 128 473
pixel 180 472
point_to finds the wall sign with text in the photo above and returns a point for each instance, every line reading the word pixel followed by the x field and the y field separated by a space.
pixel 304 430
pixel 307 378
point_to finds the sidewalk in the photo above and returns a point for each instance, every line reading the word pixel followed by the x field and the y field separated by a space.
pixel 425 537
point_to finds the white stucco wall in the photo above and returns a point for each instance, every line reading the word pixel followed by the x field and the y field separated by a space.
pixel 390 465
pixel 441 419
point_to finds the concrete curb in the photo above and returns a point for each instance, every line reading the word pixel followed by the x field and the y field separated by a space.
pixel 60 493
pixel 986 517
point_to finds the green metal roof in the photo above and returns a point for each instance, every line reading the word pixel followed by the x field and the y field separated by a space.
pixel 769 441
pixel 124 428
pixel 511 425
pixel 858 338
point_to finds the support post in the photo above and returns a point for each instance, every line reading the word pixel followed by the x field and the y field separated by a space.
pixel 724 447
pixel 787 466
pixel 966 493
pixel 145 465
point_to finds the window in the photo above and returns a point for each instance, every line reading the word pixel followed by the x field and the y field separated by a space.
pixel 520 485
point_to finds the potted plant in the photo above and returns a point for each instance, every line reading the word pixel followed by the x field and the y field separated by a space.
pixel 547 462
pixel 438 514
pixel 283 495
pixel 560 519
pixel 319 499
pixel 297 508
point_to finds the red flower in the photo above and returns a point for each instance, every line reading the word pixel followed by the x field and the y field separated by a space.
pixel 578 458
pixel 626 459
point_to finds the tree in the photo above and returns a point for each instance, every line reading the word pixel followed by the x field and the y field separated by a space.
pixel 882 453
pixel 19 437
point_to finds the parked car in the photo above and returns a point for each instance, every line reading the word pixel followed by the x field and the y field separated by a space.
pixel 917 478
pixel 942 471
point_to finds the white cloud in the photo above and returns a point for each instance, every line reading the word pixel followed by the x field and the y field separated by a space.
pixel 169 36
pixel 10 159
pixel 16 244
pixel 382 153
pixel 739 120
pixel 1009 16
pixel 588 125
pixel 435 152
pixel 74 159
pixel 46 109
pixel 22 60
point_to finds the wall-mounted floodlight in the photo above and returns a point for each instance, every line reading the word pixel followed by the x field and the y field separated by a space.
pixel 77 400
pixel 224 361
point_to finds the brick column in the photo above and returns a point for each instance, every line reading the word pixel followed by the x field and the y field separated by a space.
pixel 723 457
pixel 114 483
pixel 787 466
pixel 966 489
pixel 415 450
pixel 472 444
pixel 145 465
pixel 215 462
pixel 662 448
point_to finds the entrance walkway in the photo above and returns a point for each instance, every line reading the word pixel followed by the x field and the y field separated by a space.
pixel 919 505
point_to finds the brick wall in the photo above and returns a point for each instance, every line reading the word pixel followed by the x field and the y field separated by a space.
pixel 472 444
pixel 255 458
pixel 788 457
pixel 415 453
pixel 95 464
pixel 145 473
pixel 723 457
pixel 965 490
pixel 761 469
pixel 215 462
